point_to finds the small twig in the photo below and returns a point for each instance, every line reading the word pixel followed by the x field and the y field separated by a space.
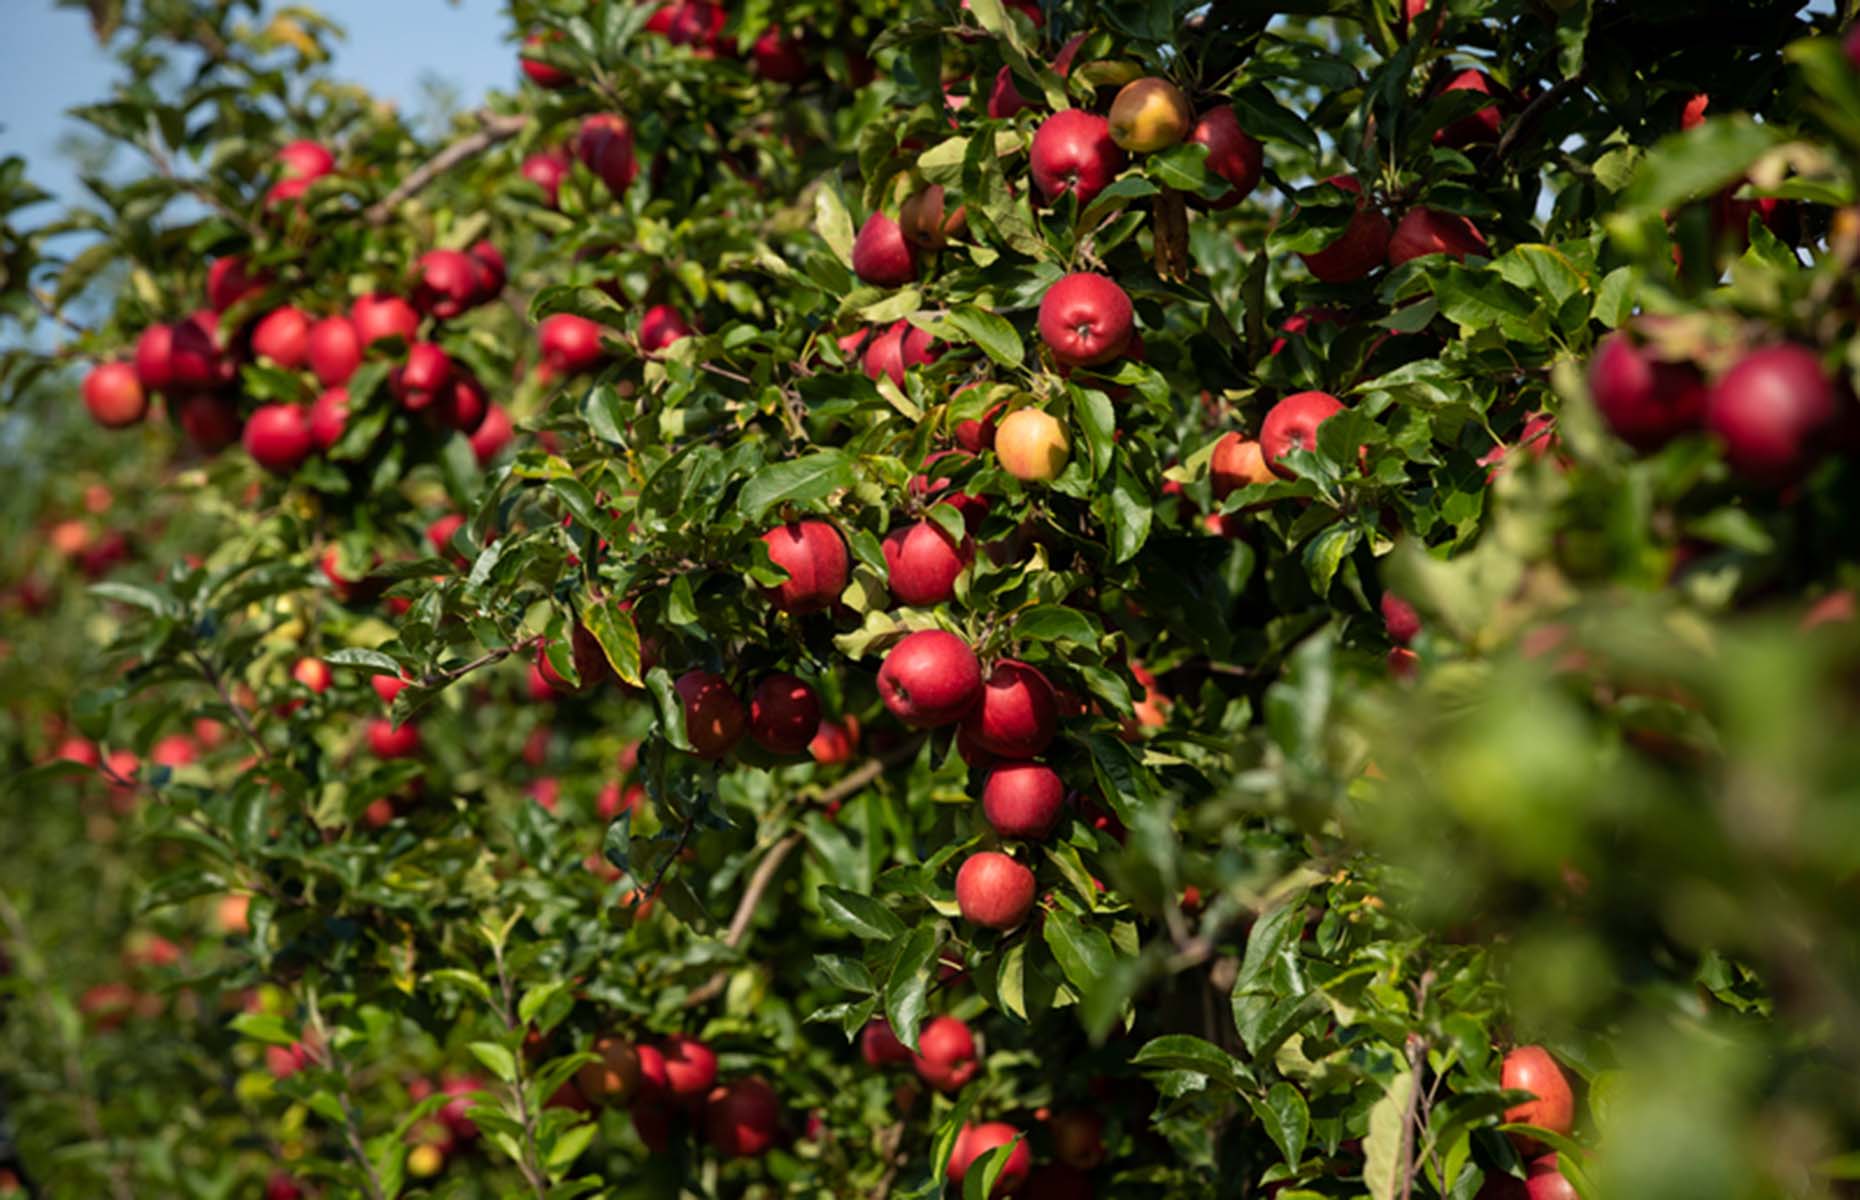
pixel 51 310
pixel 435 678
pixel 528 1164
pixel 240 716
pixel 493 129
pixel 75 1084
pixel 724 373
pixel 324 1048
pixel 199 191
pixel 1417 1057
pixel 888 1140
pixel 1535 109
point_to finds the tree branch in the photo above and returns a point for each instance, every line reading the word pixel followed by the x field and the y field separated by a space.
pixel 1536 109
pixel 494 128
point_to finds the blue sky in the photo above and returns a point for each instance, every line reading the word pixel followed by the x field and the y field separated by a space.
pixel 49 62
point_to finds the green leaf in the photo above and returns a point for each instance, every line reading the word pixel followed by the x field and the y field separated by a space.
pixel 1184 1052
pixel 1084 953
pixel 670 706
pixel 1287 1120
pixel 612 626
pixel 1270 970
pixel 909 983
pixel 859 915
pixel 1324 553
pixel 146 598
pixel 797 481
pixel 355 656
pixel 833 223
pixel 265 1027
pixel 995 335
pixel 1382 1145
pixel 1698 162
pixel 1056 623
pixel 497 1060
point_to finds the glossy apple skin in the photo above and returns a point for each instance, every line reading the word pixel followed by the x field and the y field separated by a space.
pixel 329 416
pixel 1073 152
pixel 660 326
pixel 778 57
pixel 334 350
pixel 540 73
pixel 493 434
pixel 613 1080
pixel 277 436
pixel 690 1066
pixel 946 1054
pixel 547 169
pixel 1024 800
pixel 306 159
pixel 1237 462
pixel 283 336
pixel 976 1140
pixel 1531 1069
pixel 228 282
pixel 897 348
pixel 1399 618
pixel 784 715
pixel 881 256
pixel 1004 99
pixel 1773 411
pixel 1032 445
pixel 1424 231
pixel 388 741
pixel 378 317
pixel 447 283
pixel 1645 401
pixel 113 395
pixel 1148 115
pixel 994 891
pixel 1086 319
pixel 1018 715
pixel 922 563
pixel 880 1047
pixel 714 717
pixel 930 678
pixel 1293 422
pixel 1482 125
pixel 742 1119
pixel 814 555
pixel 1361 248
pixel 570 343
pixel 1232 154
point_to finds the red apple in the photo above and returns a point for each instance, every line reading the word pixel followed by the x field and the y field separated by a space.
pixel 784 715
pixel 313 673
pixel 615 1079
pixel 329 416
pixel 1424 231
pixel 930 678
pixel 447 283
pixel 590 663
pixel 1078 1138
pixel 945 1057
pixel 1004 99
pixel 922 562
pixel 1232 154
pixel 540 73
pixel 283 336
pixel 994 891
pixel 926 223
pixel 660 326
pixel 334 350
pixel 604 144
pixel 378 317
pixel 304 159
pixel 814 555
pixel 899 347
pixel 1773 411
pixel 1360 249
pixel 836 743
pixel 210 420
pixel 1299 323
pixel 976 1140
pixel 1086 319
pixel 880 1047
pixel 1399 619
pixel 277 436
pixel 419 381
pixel 388 686
pixel 570 344
pixel 1024 800
pixel 1482 124
pixel 1293 422
pixel 1531 1069
pixel 493 434
pixel 1073 152
pixel 1237 462
pixel 546 169
pixel 1547 1182
pixel 880 255
pixel 690 1067
pixel 778 57
pixel 742 1119
pixel 390 741
pixel 1645 401
pixel 113 395
pixel 228 282
pixel 714 717
pixel 1018 714
pixel 463 402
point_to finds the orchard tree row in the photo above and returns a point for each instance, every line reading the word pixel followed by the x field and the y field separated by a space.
pixel 1042 598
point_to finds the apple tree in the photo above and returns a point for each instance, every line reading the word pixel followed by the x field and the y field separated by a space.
pixel 1055 598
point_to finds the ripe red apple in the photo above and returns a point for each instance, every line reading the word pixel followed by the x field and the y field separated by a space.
pixel 313 673
pixel 283 336
pixel 1024 800
pixel 547 169
pixel 180 357
pixel 784 714
pixel 228 282
pixel 926 224
pixel 604 144
pixel 660 326
pixel 388 686
pixel 994 891
pixel 334 350
pixel 493 434
pixel 743 1118
pixel 590 663
pixel 1293 422
pixel 1017 716
pixel 210 420
pixel 1360 249
pixel 1481 125
pixel 1078 1138
pixel 690 1066
pixel 1004 99
pixel 836 743
pixel 1645 401
pixel 1232 154
pixel 1773 411
pixel 930 678
pixel 880 1047
pixel 778 58
pixel 1073 152
pixel 570 343
pixel 814 555
pixel 378 317
pixel 1299 323
pixel 1149 114
pixel 1531 1069
pixel 389 741
pixel 899 347
pixel 446 283
pixel 714 717
pixel 945 1057
pixel 1425 231
pixel 976 1140
pixel 154 357
pixel 540 73
pixel 880 255
pixel 419 381
pixel 329 416
pixel 922 562
pixel 1237 462
pixel 277 436
pixel 463 402
pixel 1086 319
pixel 615 1078
pixel 113 395
pixel 1399 619
pixel 1547 1182
pixel 305 159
